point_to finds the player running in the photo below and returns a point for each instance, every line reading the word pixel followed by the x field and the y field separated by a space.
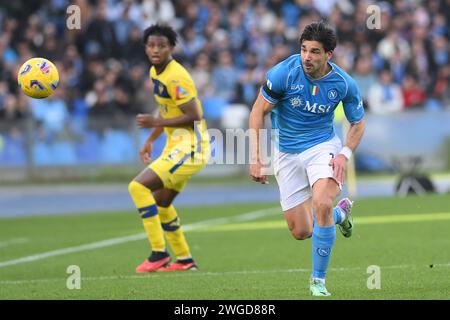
pixel 186 151
pixel 301 94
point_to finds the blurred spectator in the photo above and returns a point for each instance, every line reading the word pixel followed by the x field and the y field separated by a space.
pixel 393 44
pixel 100 37
pixel 413 94
pixel 11 110
pixel 225 76
pixel 441 88
pixel 103 113
pixel 364 75
pixel 201 74
pixel 385 96
pixel 52 113
pixel 250 80
pixel 441 51
pixel 134 50
pixel 144 99
pixel 345 55
pixel 237 31
pixel 421 63
pixel 3 93
pixel 157 11
pixel 122 102
pixel 126 15
pixel 192 44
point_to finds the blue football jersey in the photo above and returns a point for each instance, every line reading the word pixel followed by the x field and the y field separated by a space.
pixel 304 107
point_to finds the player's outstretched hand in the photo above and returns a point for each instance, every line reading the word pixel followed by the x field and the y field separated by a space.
pixel 339 164
pixel 145 121
pixel 146 152
pixel 256 173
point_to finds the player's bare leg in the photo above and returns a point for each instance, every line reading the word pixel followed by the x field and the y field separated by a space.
pixel 300 221
pixel 324 232
pixel 325 192
pixel 149 179
pixel 164 197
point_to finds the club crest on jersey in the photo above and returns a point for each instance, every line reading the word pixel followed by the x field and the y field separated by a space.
pixel 332 94
pixel 160 89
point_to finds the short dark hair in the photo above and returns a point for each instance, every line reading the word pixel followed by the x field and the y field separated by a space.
pixel 160 30
pixel 320 32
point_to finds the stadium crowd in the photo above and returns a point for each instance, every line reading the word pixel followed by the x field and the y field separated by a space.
pixel 227 46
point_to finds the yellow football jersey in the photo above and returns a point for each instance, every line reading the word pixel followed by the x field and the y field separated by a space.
pixel 172 88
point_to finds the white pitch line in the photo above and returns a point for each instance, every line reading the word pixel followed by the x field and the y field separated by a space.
pixel 253 215
pixel 211 274
pixel 13 241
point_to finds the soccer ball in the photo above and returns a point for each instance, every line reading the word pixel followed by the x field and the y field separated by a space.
pixel 38 78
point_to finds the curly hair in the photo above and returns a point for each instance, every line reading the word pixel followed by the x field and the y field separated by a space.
pixel 160 30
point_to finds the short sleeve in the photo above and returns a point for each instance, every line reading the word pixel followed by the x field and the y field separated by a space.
pixel 182 90
pixel 353 104
pixel 275 85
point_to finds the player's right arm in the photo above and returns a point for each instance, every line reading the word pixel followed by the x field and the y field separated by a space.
pixel 146 151
pixel 269 95
pixel 256 122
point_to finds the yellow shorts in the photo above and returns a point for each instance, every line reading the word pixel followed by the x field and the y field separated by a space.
pixel 175 167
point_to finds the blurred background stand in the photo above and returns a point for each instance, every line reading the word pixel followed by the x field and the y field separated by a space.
pixel 411 181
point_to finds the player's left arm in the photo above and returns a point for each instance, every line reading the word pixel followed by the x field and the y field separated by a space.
pixel 182 91
pixel 190 111
pixel 354 112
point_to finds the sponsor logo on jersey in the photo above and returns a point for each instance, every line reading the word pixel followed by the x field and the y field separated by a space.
pixel 180 92
pixel 316 108
pixel 296 102
pixel 297 87
pixel 360 105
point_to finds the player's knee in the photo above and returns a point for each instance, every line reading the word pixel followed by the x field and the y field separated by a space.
pixel 132 187
pixel 301 234
pixel 135 188
pixel 322 205
pixel 163 202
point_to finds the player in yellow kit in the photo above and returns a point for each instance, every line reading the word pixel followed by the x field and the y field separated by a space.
pixel 187 151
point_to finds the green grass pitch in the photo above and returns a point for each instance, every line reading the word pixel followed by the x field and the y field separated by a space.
pixel 255 258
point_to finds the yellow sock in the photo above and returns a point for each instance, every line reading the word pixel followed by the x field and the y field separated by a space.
pixel 174 233
pixel 146 205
